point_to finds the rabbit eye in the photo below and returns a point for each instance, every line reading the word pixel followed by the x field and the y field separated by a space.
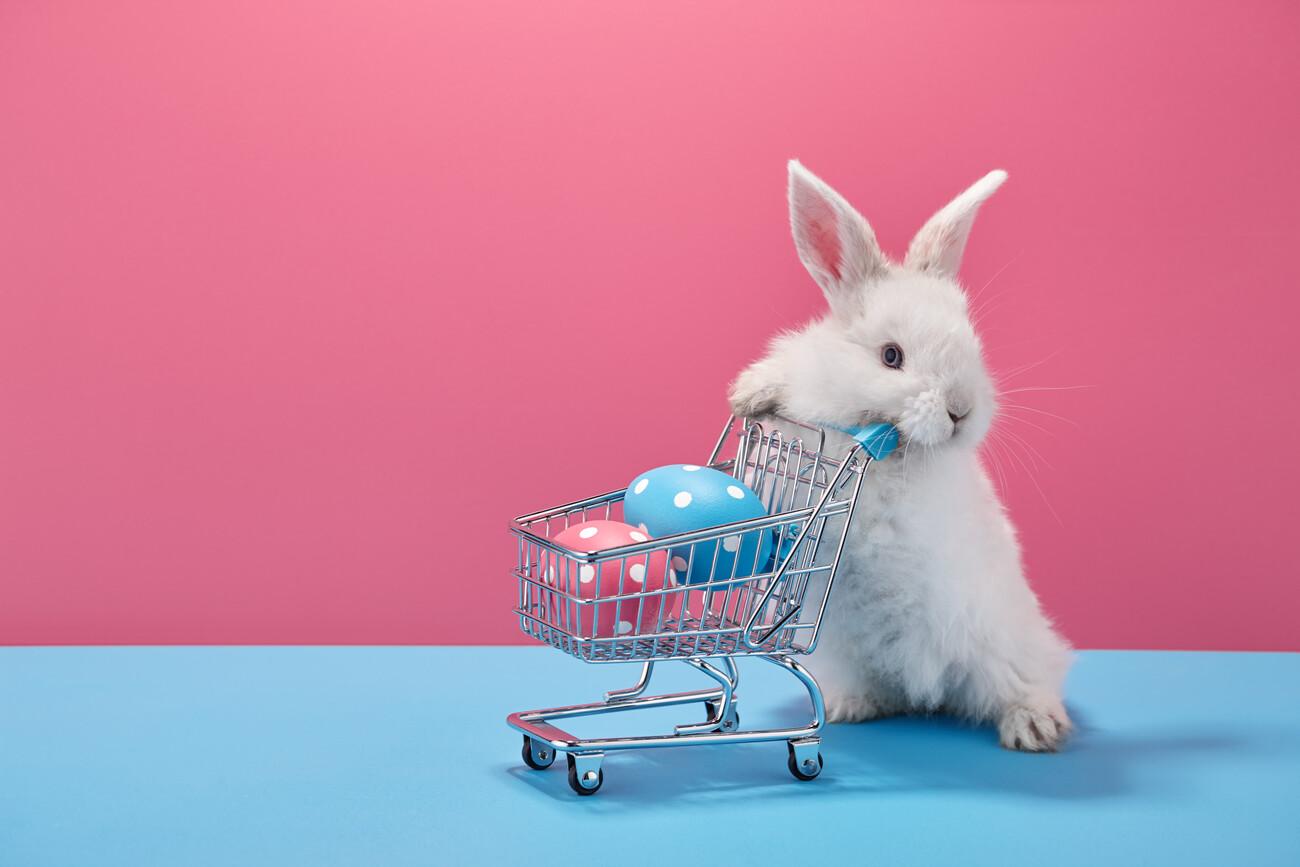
pixel 891 355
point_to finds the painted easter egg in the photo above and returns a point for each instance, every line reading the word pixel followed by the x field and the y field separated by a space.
pixel 635 574
pixel 682 497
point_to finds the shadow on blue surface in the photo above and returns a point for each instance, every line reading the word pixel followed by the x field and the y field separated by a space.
pixel 902 754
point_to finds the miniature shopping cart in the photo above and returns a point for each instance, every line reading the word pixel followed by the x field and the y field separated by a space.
pixel 769 610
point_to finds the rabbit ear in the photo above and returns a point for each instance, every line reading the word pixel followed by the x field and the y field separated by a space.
pixel 937 248
pixel 836 245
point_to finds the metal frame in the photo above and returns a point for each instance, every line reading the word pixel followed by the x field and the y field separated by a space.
pixel 758 610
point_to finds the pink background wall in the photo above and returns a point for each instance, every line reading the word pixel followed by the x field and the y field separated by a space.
pixel 281 285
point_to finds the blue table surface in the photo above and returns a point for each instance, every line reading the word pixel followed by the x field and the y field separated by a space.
pixel 394 756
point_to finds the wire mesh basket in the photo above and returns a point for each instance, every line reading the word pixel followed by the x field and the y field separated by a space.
pixel 701 618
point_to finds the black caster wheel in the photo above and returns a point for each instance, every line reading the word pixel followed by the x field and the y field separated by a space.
pixel 578 785
pixel 537 756
pixel 727 725
pixel 804 770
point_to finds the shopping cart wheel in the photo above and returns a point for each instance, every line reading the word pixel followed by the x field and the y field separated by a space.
pixel 537 756
pixel 731 724
pixel 585 774
pixel 805 760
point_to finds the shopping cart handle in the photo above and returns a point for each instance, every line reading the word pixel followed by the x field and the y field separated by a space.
pixel 878 440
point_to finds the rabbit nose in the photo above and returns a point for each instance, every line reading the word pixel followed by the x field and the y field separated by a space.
pixel 957 418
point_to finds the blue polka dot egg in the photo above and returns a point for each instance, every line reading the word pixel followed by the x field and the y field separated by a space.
pixel 682 497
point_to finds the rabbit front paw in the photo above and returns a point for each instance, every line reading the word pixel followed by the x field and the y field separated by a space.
pixel 852 708
pixel 1034 727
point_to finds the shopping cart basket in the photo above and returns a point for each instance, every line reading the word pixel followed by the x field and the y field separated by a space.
pixel 771 611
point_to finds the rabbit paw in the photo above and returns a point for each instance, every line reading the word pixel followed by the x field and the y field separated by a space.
pixel 756 392
pixel 1034 727
pixel 852 708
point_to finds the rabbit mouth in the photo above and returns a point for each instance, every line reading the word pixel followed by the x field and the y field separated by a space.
pixel 911 430
pixel 928 420
pixel 929 433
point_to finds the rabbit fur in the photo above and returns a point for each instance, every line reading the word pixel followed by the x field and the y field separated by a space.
pixel 931 610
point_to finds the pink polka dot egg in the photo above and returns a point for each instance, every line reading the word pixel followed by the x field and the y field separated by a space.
pixel 620 577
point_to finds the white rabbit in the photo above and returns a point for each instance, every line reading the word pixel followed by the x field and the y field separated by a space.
pixel 931 611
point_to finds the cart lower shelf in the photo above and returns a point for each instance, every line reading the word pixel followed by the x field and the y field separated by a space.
pixel 543 741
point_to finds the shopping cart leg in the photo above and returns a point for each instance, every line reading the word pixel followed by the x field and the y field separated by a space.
pixel 726 718
pixel 630 692
pixel 814 691
pixel 805 758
